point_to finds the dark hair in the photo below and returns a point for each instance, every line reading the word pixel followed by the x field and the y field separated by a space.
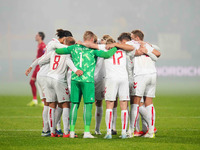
pixel 124 36
pixel 63 33
pixel 42 35
pixel 138 33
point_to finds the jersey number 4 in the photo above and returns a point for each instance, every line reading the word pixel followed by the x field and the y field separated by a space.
pixel 116 58
pixel 56 61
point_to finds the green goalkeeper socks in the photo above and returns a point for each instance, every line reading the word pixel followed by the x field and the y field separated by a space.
pixel 87 116
pixel 73 115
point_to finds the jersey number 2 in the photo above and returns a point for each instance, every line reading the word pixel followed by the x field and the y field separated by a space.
pixel 116 61
pixel 56 61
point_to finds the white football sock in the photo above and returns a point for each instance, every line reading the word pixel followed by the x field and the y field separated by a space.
pixel 51 116
pixel 129 118
pixel 114 118
pixel 137 125
pixel 58 114
pixel 150 117
pixel 69 117
pixel 98 117
pixel 143 113
pixel 144 125
pixel 109 116
pixel 45 119
pixel 124 119
pixel 65 118
pixel 134 114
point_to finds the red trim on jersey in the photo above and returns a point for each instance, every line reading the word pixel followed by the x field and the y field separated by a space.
pixel 124 126
pixel 136 116
pixel 109 124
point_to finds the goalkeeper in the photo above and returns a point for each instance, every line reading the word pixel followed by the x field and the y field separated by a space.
pixel 84 59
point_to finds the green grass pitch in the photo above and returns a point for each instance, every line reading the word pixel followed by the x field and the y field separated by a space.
pixel 177 121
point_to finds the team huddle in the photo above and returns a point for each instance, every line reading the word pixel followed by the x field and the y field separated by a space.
pixel 96 70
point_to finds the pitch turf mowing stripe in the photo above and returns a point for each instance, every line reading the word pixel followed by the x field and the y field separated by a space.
pixel 29 117
pixel 104 130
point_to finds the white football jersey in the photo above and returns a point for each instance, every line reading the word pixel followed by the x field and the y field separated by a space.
pixel 51 46
pixel 58 65
pixel 142 64
pixel 116 65
pixel 69 75
pixel 100 72
pixel 129 67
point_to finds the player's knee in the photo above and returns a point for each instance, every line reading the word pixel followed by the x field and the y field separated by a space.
pixel 115 104
pixel 98 103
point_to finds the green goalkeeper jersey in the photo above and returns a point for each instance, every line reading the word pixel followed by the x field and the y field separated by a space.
pixel 84 59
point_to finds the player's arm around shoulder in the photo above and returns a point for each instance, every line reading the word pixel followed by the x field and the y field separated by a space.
pixel 126 47
pixel 88 44
pixel 105 54
pixel 65 50
pixel 147 49
pixel 156 50
pixel 58 45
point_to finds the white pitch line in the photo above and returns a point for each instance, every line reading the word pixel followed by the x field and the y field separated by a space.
pixel 181 117
pixel 18 117
pixel 30 117
pixel 36 130
pixel 19 107
pixel 36 107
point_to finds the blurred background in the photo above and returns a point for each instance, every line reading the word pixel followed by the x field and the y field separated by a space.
pixel 173 25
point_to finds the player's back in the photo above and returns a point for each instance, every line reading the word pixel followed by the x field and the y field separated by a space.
pixel 85 60
pixel 49 47
pixel 58 66
pixel 99 73
pixel 143 64
pixel 116 66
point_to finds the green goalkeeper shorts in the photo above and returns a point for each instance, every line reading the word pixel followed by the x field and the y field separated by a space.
pixel 86 89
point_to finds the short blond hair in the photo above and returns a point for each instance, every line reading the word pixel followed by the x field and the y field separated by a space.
pixel 88 35
pixel 95 39
pixel 105 37
pixel 110 40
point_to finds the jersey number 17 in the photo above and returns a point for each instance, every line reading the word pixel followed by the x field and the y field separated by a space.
pixel 116 58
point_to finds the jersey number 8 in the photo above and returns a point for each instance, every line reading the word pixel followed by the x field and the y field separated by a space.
pixel 56 61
